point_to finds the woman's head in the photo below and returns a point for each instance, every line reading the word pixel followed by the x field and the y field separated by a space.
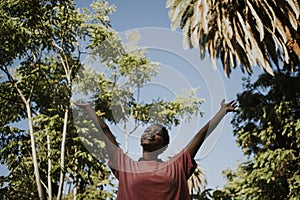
pixel 155 137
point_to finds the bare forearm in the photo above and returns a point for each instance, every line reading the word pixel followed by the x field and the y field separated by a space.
pixel 109 138
pixel 199 138
pixel 106 131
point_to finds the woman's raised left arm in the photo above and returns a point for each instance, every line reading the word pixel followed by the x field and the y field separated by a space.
pixel 195 144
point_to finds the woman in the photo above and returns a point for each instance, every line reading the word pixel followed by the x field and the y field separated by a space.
pixel 150 177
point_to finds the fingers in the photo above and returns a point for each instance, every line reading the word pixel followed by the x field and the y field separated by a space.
pixel 233 103
pixel 233 106
pixel 81 104
pixel 223 102
pixel 230 106
pixel 78 103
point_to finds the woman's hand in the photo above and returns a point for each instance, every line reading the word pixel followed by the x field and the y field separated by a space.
pixel 229 107
pixel 86 106
pixel 81 104
pixel 206 130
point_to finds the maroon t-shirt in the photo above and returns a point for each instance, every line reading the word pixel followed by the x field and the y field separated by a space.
pixel 151 179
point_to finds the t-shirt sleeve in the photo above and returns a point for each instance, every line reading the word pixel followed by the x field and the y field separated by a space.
pixel 186 162
pixel 120 163
pixel 115 162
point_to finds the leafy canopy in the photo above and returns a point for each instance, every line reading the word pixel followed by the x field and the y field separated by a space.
pixel 268 131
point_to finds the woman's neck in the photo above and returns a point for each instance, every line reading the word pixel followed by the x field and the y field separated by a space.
pixel 150 156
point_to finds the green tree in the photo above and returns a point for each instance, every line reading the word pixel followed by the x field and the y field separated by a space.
pixel 40 56
pixel 268 131
pixel 241 33
pixel 44 43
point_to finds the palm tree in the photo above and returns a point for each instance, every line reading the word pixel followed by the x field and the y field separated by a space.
pixel 243 33
pixel 197 182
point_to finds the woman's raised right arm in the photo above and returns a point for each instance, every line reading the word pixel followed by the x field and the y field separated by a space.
pixel 109 139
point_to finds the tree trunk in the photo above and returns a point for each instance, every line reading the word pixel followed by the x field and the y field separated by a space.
pixel 62 155
pixel 75 178
pixel 33 150
pixel 32 140
pixel 49 168
pixel 126 143
pixel 126 137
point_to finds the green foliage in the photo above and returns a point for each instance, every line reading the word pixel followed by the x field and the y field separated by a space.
pixel 40 56
pixel 267 130
pixel 126 70
pixel 117 102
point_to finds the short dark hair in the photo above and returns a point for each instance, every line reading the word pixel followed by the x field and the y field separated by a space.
pixel 165 135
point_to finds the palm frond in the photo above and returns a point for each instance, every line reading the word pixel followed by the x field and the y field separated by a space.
pixel 259 22
pixel 197 182
pixel 239 32
pixel 177 11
